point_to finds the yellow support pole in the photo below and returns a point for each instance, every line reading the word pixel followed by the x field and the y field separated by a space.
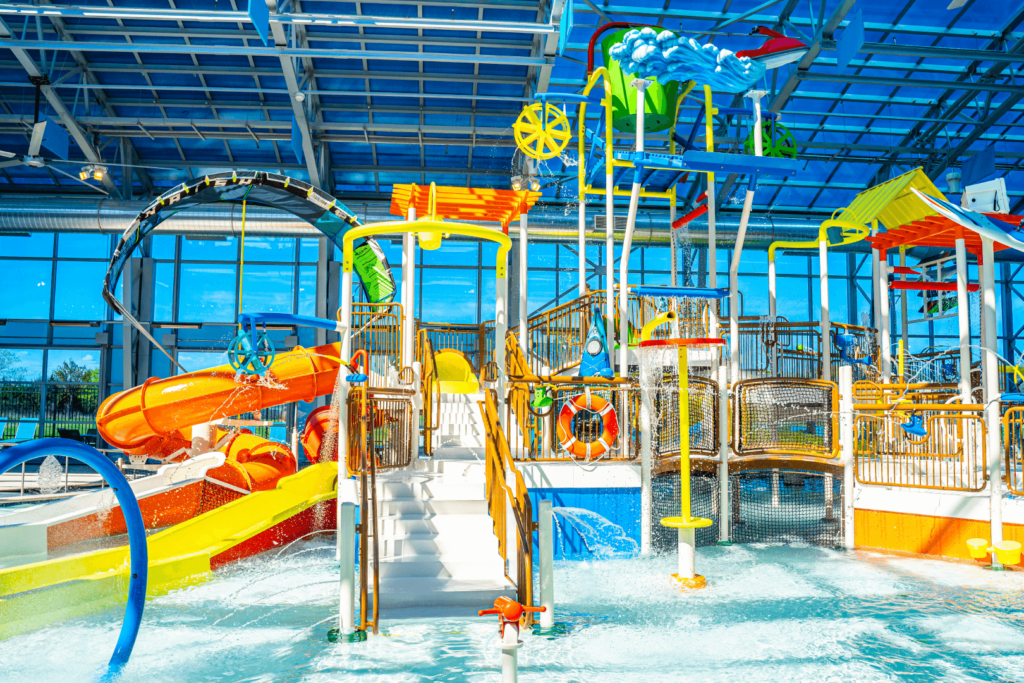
pixel 685 511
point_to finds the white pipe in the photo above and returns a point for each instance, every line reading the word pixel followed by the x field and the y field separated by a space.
pixel 846 441
pixel 963 315
pixel 523 307
pixel 734 289
pixel 673 244
pixel 609 240
pixel 583 245
pixel 875 300
pixel 826 323
pixel 883 321
pixel 510 645
pixel 627 241
pixel 203 438
pixel 724 521
pixel 990 382
pixel 547 558
pixel 500 329
pixel 347 548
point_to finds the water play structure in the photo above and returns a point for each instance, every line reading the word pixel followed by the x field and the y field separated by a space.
pixel 440 469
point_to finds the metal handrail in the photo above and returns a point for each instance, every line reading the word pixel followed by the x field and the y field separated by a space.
pixel 431 389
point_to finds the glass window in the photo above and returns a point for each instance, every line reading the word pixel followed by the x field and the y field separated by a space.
pixel 270 249
pixel 201 360
pixel 162 246
pixel 309 250
pixel 21 365
pixel 163 292
pixel 451 253
pixel 37 244
pixel 448 295
pixel 208 293
pixel 307 290
pixel 83 245
pixel 541 291
pixel 225 249
pixel 73 365
pixel 538 255
pixel 78 291
pixel 268 288
pixel 26 289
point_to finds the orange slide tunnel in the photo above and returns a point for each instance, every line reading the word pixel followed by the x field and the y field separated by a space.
pixel 156 418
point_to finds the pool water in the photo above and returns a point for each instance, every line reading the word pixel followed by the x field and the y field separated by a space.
pixel 777 613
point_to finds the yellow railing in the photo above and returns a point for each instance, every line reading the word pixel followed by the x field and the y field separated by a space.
pixel 503 496
pixel 377 328
pixel 793 349
pixel 386 414
pixel 867 391
pixel 431 391
pixel 1013 436
pixel 950 456
pixel 469 339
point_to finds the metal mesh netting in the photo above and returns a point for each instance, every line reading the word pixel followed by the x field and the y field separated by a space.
pixel 786 416
pixel 659 377
pixel 213 496
pixel 766 506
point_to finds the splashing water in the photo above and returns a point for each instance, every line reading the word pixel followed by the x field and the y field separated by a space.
pixel 603 538
pixel 51 475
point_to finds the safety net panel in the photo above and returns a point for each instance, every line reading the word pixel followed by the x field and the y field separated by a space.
pixel 786 416
pixel 704 502
pixel 703 395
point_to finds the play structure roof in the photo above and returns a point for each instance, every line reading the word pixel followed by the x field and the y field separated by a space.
pixel 892 203
pixel 474 204
pixel 935 231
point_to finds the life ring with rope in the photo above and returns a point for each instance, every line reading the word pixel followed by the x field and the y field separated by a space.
pixel 609 425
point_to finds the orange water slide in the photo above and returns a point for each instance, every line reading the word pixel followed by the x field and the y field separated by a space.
pixel 156 418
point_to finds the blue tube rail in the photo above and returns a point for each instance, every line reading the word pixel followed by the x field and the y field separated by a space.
pixel 249 321
pixel 138 551
pixel 680 292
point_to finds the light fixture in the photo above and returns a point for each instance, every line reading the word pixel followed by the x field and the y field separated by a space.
pixel 517 182
pixel 300 97
pixel 94 171
pixel 534 184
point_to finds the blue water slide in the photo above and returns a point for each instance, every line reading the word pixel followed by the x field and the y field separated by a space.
pixel 138 550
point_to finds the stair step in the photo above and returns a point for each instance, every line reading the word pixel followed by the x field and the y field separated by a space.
pixel 433 490
pixel 479 570
pixel 422 591
pixel 443 546
pixel 464 525
pixel 413 507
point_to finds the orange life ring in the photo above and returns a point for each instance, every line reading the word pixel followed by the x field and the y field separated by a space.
pixel 609 421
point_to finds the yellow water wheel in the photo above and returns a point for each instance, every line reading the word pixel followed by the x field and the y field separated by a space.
pixel 542 139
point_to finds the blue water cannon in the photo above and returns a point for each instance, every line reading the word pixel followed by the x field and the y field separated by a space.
pixel 916 426
pixel 846 342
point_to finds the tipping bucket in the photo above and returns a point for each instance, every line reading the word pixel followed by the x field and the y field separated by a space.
pixel 659 100
pixel 978 548
pixel 1007 552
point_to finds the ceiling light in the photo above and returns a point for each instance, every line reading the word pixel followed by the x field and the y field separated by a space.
pixel 94 171
pixel 534 184
pixel 300 97
pixel 517 182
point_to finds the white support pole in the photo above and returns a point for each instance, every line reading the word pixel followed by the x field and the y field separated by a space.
pixel 547 558
pixel 826 323
pixel 883 321
pixel 687 567
pixel 846 443
pixel 409 293
pixel 646 457
pixel 673 244
pixel 583 245
pixel 510 645
pixel 627 240
pixel 963 315
pixel 500 329
pixel 904 326
pixel 990 382
pixel 523 307
pixel 876 301
pixel 203 439
pixel 347 556
pixel 724 522
pixel 773 310
pixel 346 355
pixel 609 234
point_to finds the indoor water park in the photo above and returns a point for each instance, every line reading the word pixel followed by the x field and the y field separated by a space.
pixel 501 340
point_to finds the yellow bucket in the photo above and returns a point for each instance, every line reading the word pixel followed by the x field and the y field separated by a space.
pixel 1007 552
pixel 978 548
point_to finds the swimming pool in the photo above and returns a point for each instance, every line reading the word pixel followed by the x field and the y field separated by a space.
pixel 777 613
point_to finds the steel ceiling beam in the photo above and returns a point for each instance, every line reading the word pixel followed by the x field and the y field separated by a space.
pixel 278 52
pixel 929 52
pixel 905 82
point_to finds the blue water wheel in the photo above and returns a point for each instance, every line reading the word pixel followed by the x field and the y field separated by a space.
pixel 251 352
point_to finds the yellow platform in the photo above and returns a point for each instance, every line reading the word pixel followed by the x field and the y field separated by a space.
pixel 680 523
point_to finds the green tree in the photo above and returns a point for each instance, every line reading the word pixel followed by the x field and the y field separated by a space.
pixel 10 369
pixel 70 371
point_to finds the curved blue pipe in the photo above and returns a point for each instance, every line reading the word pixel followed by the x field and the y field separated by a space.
pixel 138 550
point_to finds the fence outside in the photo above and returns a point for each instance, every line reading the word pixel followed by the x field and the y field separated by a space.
pixel 56 405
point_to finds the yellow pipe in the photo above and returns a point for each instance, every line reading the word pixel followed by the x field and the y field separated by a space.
pixel 427 228
pixel 657 321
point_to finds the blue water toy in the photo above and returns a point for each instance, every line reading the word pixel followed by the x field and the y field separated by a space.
pixel 596 362
pixel 137 548
pixel 846 342
pixel 916 426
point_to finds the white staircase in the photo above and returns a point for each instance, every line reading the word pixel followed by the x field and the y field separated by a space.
pixel 460 422
pixel 437 545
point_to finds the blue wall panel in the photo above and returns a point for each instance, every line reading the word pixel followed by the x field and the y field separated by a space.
pixel 620 506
